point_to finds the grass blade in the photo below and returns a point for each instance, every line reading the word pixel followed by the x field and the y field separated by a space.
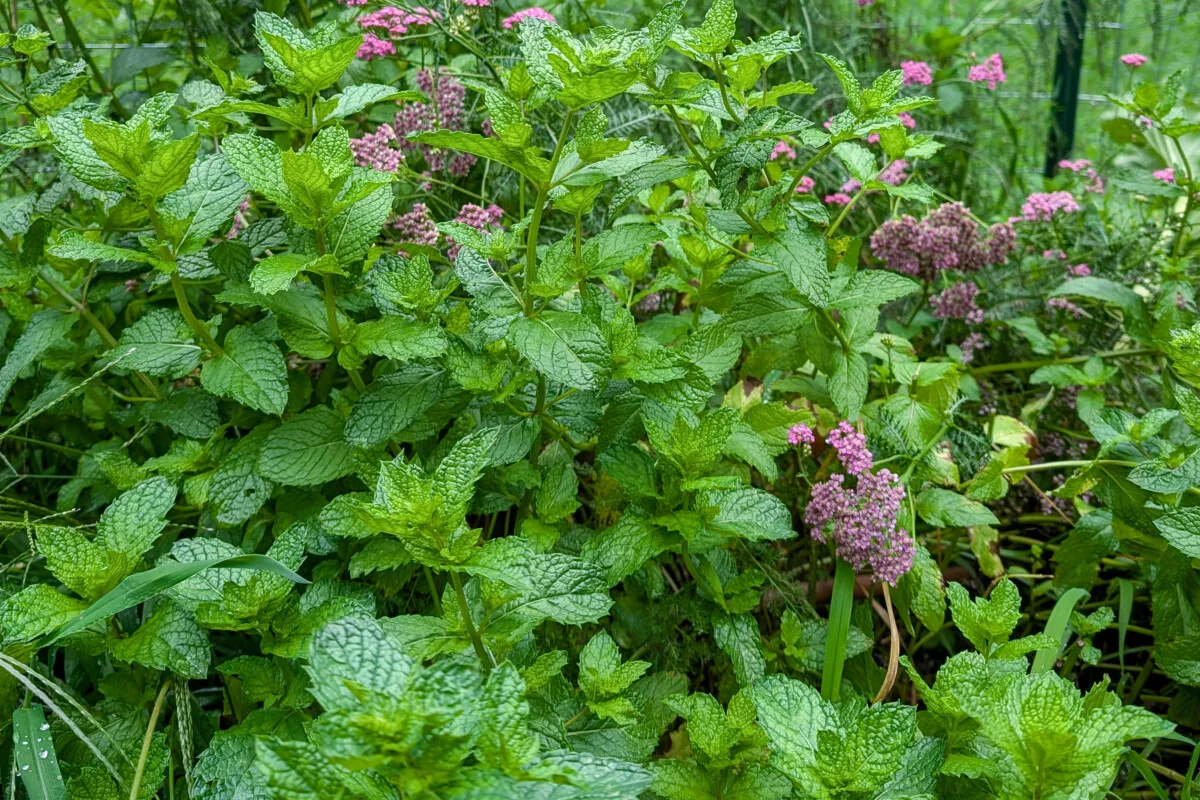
pixel 1056 626
pixel 33 749
pixel 144 585
pixel 1124 612
pixel 840 607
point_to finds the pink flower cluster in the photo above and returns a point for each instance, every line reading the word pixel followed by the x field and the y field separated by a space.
pixel 1045 205
pixel 861 520
pixel 396 21
pixel 385 148
pixel 417 226
pixel 239 219
pixel 1165 175
pixel 1066 305
pixel 947 238
pixel 374 47
pixel 958 302
pixel 915 72
pixel 375 150
pixel 895 173
pixel 991 70
pixel 1134 60
pixel 783 150
pixel 969 345
pixel 528 13
pixel 851 447
pixel 1095 182
pixel 479 218
pixel 805 185
pixel 838 199
pixel 801 436
pixel 1079 271
pixel 477 3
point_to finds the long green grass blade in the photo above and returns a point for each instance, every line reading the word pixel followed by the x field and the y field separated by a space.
pixel 33 750
pixel 1056 626
pixel 144 585
pixel 1143 766
pixel 1124 612
pixel 840 607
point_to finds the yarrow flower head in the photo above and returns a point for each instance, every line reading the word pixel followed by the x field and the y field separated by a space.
pixel 1063 304
pixel 991 71
pixel 895 173
pixel 947 238
pixel 1134 60
pixel 528 13
pixel 861 521
pixel 851 447
pixel 969 345
pixel 1079 271
pixel 801 436
pixel 1042 206
pixel 805 185
pixel 783 150
pixel 417 226
pixel 479 218
pixel 1074 166
pixel 1165 175
pixel 374 47
pixel 958 302
pixel 915 72
pixel 906 119
pixel 838 199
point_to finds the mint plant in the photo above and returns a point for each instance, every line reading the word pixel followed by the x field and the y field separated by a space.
pixel 433 403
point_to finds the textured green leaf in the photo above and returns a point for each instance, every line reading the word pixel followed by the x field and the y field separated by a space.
pixel 307 451
pixel 564 346
pixel 161 344
pixel 250 371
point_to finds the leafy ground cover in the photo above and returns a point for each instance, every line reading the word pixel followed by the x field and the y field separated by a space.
pixel 476 402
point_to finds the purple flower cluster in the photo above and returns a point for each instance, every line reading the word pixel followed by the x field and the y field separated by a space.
pixel 375 150
pixel 1045 205
pixel 895 173
pixel 915 72
pixel 1063 304
pixel 528 13
pixel 373 47
pixel 861 520
pixel 969 345
pixel 838 199
pixel 479 218
pixel 801 436
pixel 991 70
pixel 417 226
pixel 1165 175
pixel 947 238
pixel 783 150
pixel 386 147
pixel 851 447
pixel 958 302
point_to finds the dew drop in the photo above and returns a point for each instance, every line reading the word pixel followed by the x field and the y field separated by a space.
pixel 45 726
pixel 43 754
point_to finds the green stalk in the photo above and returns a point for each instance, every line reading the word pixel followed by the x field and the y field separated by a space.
pixel 539 210
pixel 840 606
pixel 195 324
pixel 485 658
pixel 148 739
pixel 1023 366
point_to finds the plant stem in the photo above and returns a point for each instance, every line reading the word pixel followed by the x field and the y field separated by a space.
pixel 485 658
pixel 196 325
pixel 724 92
pixel 1049 465
pixel 539 210
pixel 840 607
pixel 1015 366
pixel 147 739
pixel 893 647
